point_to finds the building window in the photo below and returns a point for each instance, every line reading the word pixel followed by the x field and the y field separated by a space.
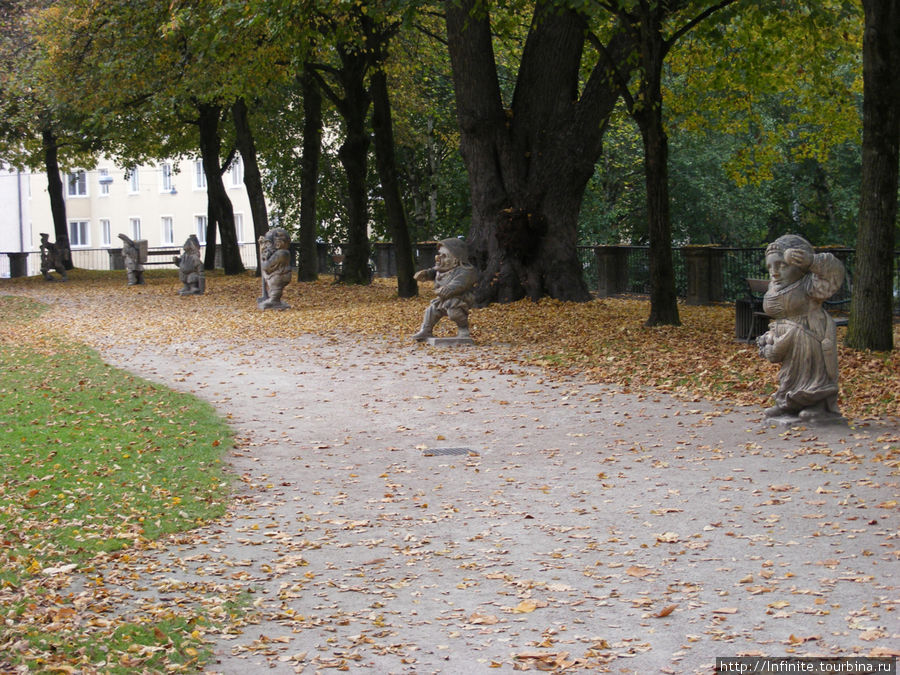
pixel 105 232
pixel 199 176
pixel 200 222
pixel 134 181
pixel 237 172
pixel 239 227
pixel 168 230
pixel 104 180
pixel 166 183
pixel 79 233
pixel 78 184
pixel 135 225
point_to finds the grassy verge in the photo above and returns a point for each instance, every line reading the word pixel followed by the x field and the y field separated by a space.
pixel 92 460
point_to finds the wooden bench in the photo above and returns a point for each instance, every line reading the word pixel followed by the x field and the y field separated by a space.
pixel 750 321
pixel 168 252
pixel 840 302
pixel 337 269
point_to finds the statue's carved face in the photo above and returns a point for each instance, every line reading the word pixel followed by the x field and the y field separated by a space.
pixel 782 273
pixel 444 260
pixel 282 240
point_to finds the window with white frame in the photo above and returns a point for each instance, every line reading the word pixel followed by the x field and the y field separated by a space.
pixel 168 230
pixel 77 183
pixel 200 223
pixel 239 227
pixel 135 226
pixel 199 176
pixel 166 184
pixel 79 233
pixel 237 172
pixel 104 180
pixel 134 181
pixel 105 232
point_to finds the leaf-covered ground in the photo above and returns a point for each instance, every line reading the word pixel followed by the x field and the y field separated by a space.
pixel 590 550
pixel 605 340
pixel 94 462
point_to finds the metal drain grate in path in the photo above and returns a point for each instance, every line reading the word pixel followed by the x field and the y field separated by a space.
pixel 434 452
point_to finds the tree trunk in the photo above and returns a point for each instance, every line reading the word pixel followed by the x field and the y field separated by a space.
pixel 308 266
pixel 219 203
pixel 353 154
pixel 648 115
pixel 663 295
pixel 871 321
pixel 528 166
pixel 252 176
pixel 57 196
pixel 209 258
pixel 387 171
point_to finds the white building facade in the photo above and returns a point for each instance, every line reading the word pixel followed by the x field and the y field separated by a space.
pixel 163 203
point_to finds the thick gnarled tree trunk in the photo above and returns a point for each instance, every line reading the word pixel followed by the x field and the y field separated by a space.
pixel 528 165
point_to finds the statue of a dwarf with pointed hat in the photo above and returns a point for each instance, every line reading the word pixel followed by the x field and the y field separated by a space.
pixel 454 283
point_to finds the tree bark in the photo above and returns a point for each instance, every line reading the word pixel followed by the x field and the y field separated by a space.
pixel 252 175
pixel 55 190
pixel 353 155
pixel 871 320
pixel 220 207
pixel 387 171
pixel 648 115
pixel 308 265
pixel 528 166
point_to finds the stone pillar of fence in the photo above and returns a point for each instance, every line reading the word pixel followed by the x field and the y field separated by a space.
pixel 18 265
pixel 703 267
pixel 385 259
pixel 323 251
pixel 425 253
pixel 116 259
pixel 612 270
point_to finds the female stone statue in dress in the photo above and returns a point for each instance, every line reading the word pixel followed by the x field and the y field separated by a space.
pixel 802 336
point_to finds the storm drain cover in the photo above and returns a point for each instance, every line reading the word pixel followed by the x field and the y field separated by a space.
pixel 434 452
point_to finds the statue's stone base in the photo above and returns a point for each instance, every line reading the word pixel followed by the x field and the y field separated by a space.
pixel 788 421
pixel 449 341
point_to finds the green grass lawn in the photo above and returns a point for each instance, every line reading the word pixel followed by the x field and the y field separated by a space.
pixel 92 460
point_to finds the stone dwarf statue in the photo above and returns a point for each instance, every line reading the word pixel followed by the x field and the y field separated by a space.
pixel 454 283
pixel 134 253
pixel 51 259
pixel 190 268
pixel 275 265
pixel 802 336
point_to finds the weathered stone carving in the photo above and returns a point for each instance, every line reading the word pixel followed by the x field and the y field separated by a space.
pixel 275 264
pixel 51 259
pixel 454 283
pixel 135 254
pixel 802 336
pixel 190 268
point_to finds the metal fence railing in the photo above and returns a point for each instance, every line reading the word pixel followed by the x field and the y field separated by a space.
pixel 104 259
pixel 738 264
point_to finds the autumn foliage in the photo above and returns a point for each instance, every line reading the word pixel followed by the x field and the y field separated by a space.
pixel 603 341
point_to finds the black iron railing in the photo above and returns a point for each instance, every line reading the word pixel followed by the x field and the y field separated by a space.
pixel 738 264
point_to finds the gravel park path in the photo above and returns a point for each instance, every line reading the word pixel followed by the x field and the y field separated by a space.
pixel 399 510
